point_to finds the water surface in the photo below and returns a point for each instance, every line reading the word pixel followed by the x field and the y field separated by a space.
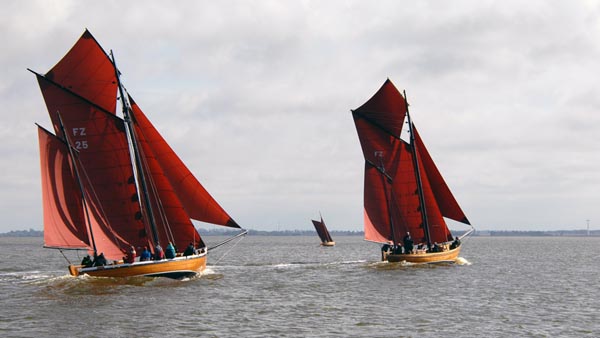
pixel 292 287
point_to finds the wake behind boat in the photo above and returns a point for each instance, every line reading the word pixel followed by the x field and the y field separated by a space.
pixel 405 196
pixel 323 233
pixel 112 185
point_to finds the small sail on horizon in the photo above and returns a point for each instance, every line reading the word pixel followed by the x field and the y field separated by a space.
pixel 323 233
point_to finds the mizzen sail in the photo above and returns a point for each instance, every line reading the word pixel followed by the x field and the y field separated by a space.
pixel 64 223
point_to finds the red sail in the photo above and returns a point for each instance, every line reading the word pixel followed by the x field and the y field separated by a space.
pixel 104 155
pixel 322 231
pixel 172 221
pixel 438 230
pixel 87 71
pixel 379 124
pixel 198 203
pixel 446 201
pixel 386 109
pixel 64 222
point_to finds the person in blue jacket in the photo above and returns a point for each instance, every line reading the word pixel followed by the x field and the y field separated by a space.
pixel 170 251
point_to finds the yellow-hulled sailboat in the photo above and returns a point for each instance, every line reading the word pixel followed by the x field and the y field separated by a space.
pixel 323 233
pixel 405 196
pixel 112 183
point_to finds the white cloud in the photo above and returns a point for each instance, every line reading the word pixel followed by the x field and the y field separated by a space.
pixel 255 97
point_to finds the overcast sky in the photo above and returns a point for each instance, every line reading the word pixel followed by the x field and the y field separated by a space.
pixel 255 97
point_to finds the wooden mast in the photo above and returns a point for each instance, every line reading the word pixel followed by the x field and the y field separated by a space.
pixel 418 177
pixel 136 154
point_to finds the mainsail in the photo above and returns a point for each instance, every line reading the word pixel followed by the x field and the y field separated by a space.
pixel 322 231
pixel 403 189
pixel 93 167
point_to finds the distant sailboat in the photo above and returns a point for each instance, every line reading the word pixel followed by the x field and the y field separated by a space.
pixel 323 232
pixel 111 183
pixel 405 196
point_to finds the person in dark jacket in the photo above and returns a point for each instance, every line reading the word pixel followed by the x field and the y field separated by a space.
pixel 455 244
pixel 146 255
pixel 99 260
pixel 189 250
pixel 408 243
pixel 87 261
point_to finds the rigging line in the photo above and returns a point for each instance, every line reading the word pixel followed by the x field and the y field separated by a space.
pixel 467 233
pixel 65 256
pixel 419 180
pixel 94 195
pixel 232 247
pixel 229 239
pixel 78 177
pixel 162 214
pixel 387 197
pixel 133 139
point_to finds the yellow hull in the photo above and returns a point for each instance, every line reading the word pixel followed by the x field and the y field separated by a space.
pixel 174 268
pixel 429 257
pixel 328 243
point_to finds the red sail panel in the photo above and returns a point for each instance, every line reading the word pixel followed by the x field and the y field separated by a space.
pixel 376 213
pixel 87 71
pixel 198 203
pixel 64 222
pixel 405 199
pixel 438 230
pixel 386 109
pixel 444 197
pixel 104 155
pixel 172 220
pixel 105 240
pixel 379 123
pixel 322 231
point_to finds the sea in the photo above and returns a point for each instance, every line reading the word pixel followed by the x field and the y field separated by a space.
pixel 290 286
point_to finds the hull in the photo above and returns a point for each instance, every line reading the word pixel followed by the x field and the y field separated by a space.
pixel 429 257
pixel 332 243
pixel 177 267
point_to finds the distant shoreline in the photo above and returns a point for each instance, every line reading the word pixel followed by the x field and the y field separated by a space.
pixel 338 233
